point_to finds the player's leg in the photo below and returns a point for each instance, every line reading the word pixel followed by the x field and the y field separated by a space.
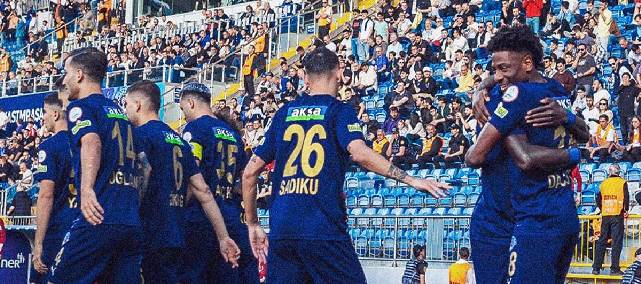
pixel 125 265
pixel 565 257
pixel 285 264
pixel 617 242
pixel 201 248
pixel 331 261
pixel 490 236
pixel 161 266
pixel 84 255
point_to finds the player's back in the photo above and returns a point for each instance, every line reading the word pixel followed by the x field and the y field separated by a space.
pixel 544 202
pixel 54 157
pixel 308 139
pixel 220 151
pixel 114 181
pixel 163 201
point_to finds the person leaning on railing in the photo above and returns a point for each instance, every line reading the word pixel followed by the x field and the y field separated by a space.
pixel 613 201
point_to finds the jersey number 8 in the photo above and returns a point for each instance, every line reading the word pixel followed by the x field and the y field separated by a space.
pixel 305 146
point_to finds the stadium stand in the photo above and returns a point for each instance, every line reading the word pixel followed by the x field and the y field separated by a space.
pixel 432 55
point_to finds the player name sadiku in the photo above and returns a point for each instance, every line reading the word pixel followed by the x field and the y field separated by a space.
pixel 307 186
pixel 559 180
pixel 120 178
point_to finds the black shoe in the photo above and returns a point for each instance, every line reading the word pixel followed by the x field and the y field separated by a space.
pixel 616 272
pixel 596 271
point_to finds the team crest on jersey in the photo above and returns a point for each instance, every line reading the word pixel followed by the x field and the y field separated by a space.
pixel 75 114
pixel 355 127
pixel 172 138
pixel 511 94
pixel 42 168
pixel 500 111
pixel 80 125
pixel 114 112
pixel 224 134
pixel 187 136
pixel 42 155
pixel 306 113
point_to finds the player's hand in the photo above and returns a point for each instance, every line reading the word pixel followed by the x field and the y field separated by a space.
pixel 433 187
pixel 551 113
pixel 259 242
pixel 478 105
pixel 91 209
pixel 230 251
pixel 37 260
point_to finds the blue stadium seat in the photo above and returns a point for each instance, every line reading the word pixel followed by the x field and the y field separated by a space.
pixel 417 200
pixel 439 211
pixel 351 182
pixel 388 247
pixel 363 201
pixel 390 182
pixel 468 211
pixel 397 212
pixel 589 167
pixel 585 175
pixel 588 198
pixel 370 211
pixel 625 166
pixel 356 211
pixel 351 201
pixel 361 246
pixel 403 200
pixel 472 199
pixel 375 247
pixel 460 199
pixel 633 175
pixel 599 175
pixel 425 211
pixel 389 200
pixel 456 211
pixel 604 166
pixel 445 202
pixel 376 200
pixel 403 248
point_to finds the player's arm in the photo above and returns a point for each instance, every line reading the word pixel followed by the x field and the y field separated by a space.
pixel 530 157
pixel 202 193
pixel 90 149
pixel 43 211
pixel 257 237
pixel 485 141
pixel 551 114
pixel 372 161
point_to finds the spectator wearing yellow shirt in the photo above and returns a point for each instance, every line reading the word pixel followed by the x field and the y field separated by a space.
pixel 324 17
pixel 381 143
pixel 465 80
pixel 462 272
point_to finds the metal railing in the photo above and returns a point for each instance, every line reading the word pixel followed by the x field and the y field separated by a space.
pixel 585 250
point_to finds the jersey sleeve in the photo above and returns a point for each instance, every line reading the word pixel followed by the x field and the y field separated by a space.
pixel 190 167
pixel 512 109
pixel 347 126
pixel 195 140
pixel 47 169
pixel 82 120
pixel 266 150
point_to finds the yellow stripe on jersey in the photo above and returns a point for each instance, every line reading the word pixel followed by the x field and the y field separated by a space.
pixel 197 150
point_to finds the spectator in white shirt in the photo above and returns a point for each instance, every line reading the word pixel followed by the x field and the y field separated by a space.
pixel 329 44
pixel 598 92
pixel 459 42
pixel 403 25
pixel 364 36
pixel 394 44
pixel 590 113
pixel 367 79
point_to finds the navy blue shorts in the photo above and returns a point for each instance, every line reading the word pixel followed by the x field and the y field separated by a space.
pixel 110 253
pixel 50 248
pixel 313 261
pixel 490 235
pixel 540 259
pixel 203 262
pixel 161 265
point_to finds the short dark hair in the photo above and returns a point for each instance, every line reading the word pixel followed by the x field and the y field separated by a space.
pixel 91 60
pixel 464 252
pixel 518 39
pixel 582 88
pixel 604 116
pixel 53 100
pixel 320 61
pixel 562 61
pixel 149 90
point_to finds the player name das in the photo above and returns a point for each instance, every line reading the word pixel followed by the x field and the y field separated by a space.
pixel 307 186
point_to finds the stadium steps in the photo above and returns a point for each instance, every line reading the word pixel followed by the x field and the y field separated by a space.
pixel 603 278
pixel 338 25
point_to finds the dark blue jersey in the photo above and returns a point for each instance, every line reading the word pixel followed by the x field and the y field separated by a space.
pixel 163 202
pixel 493 212
pixel 308 138
pixel 543 202
pixel 114 181
pixel 220 151
pixel 54 156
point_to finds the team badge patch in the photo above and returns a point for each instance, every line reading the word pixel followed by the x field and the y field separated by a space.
pixel 354 127
pixel 187 136
pixel 74 114
pixel 80 125
pixel 42 155
pixel 500 111
pixel 511 94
